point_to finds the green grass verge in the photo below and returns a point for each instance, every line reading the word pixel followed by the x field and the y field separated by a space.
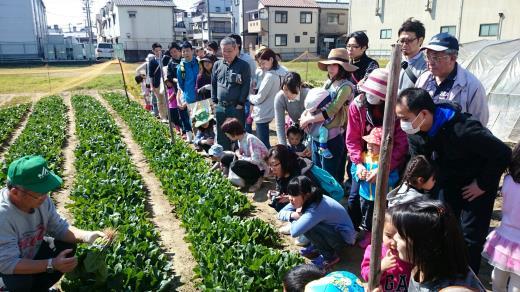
pixel 108 192
pixel 43 135
pixel 233 253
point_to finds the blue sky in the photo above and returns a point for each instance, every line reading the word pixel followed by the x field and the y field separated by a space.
pixel 65 12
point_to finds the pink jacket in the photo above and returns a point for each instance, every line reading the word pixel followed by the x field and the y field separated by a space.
pixel 395 279
pixel 357 128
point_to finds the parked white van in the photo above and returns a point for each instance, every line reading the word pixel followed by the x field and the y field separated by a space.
pixel 104 51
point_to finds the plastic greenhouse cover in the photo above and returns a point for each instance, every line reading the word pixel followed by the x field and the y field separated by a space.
pixel 497 65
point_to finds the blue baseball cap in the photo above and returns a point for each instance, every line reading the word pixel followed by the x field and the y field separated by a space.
pixel 442 42
pixel 216 150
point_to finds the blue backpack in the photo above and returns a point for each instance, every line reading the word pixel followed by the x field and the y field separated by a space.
pixel 327 183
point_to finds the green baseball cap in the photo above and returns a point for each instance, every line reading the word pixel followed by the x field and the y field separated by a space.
pixel 31 173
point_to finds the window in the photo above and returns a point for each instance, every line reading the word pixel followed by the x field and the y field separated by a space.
pixel 217 9
pixel 313 40
pixel 305 17
pixel 228 9
pixel 237 2
pixel 332 18
pixel 280 16
pixel 132 14
pixel 304 33
pixel 489 29
pixel 280 40
pixel 297 39
pixel 449 29
pixel 385 34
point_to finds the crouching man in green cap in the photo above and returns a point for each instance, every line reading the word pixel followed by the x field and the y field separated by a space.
pixel 36 244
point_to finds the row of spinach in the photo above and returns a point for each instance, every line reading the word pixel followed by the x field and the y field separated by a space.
pixel 108 192
pixel 44 135
pixel 10 117
pixel 234 253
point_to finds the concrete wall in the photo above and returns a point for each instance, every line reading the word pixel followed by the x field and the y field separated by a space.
pixel 443 13
pixel 292 28
pixel 23 28
pixel 326 28
pixel 151 24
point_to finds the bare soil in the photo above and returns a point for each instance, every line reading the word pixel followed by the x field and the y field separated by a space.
pixel 62 197
pixel 169 227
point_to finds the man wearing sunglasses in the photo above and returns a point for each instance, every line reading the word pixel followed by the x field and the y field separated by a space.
pixel 36 244
pixel 446 80
pixel 411 37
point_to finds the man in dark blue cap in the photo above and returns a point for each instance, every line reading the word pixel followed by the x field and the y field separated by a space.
pixel 446 80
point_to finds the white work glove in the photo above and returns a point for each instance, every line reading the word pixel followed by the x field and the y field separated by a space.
pixel 91 236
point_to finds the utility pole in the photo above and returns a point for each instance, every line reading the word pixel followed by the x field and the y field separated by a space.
pixel 87 4
pixel 209 28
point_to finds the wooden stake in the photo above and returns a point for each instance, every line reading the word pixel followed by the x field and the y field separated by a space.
pixel 385 157
pixel 124 80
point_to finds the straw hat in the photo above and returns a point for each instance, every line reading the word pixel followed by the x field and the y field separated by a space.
pixel 376 83
pixel 337 56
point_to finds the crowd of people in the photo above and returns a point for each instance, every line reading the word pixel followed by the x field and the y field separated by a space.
pixel 445 166
pixel 445 171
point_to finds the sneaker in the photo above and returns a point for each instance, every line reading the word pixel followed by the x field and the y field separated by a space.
pixel 164 121
pixel 326 153
pixel 302 241
pixel 286 229
pixel 325 264
pixel 365 241
pixel 256 186
pixel 309 252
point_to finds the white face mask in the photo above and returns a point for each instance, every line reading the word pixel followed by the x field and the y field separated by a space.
pixel 408 128
pixel 372 99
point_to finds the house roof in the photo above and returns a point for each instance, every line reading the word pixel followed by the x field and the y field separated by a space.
pixel 290 3
pixel 331 5
pixel 155 3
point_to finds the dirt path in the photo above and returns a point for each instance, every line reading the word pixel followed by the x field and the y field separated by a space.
pixel 170 230
pixel 62 197
pixel 14 135
pixel 18 98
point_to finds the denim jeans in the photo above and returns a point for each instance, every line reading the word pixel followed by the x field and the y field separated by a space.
pixel 354 205
pixel 185 120
pixel 247 109
pixel 262 132
pixel 221 114
pixel 367 211
pixel 40 281
pixel 336 165
pixel 326 240
pixel 155 107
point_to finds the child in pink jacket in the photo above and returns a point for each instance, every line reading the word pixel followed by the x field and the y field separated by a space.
pixel 395 273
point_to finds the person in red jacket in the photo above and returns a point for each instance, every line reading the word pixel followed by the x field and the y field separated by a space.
pixel 364 114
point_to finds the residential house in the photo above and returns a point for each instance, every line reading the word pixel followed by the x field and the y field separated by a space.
pixel 240 10
pixel 332 25
pixel 23 30
pixel 221 20
pixel 288 27
pixel 467 20
pixel 134 25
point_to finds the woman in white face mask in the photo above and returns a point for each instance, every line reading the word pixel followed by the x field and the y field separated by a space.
pixel 365 113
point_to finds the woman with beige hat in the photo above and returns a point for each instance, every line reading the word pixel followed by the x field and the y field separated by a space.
pixel 341 92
